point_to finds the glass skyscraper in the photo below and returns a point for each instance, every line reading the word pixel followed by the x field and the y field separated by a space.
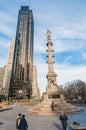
pixel 21 77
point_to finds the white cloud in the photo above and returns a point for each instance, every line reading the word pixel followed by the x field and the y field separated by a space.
pixel 64 38
pixel 4 43
pixel 7 29
pixel 3 61
pixel 39 45
pixel 83 55
pixel 70 45
pixel 65 73
pixel 71 73
pixel 73 30
pixel 42 72
pixel 67 59
pixel 7 17
pixel 7 24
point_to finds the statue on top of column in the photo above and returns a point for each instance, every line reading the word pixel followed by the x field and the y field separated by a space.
pixel 48 35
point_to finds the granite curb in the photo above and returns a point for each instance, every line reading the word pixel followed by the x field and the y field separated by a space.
pixel 5 109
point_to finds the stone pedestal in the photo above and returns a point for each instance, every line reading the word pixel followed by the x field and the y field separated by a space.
pixel 59 104
pixel 45 96
pixel 62 99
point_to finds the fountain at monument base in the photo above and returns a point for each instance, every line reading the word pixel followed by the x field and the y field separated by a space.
pixel 45 107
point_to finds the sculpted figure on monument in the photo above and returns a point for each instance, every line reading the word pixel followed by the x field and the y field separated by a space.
pixel 51 83
pixel 52 87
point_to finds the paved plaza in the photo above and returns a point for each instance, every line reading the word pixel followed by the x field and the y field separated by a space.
pixel 35 122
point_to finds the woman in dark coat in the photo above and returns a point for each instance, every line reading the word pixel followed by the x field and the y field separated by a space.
pixel 23 124
pixel 63 117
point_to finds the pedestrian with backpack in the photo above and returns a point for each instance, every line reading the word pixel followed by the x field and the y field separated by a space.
pixel 23 124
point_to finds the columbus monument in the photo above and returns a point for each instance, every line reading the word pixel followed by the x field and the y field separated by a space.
pixel 53 100
pixel 52 87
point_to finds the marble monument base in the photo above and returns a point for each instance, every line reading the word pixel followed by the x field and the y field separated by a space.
pixel 52 106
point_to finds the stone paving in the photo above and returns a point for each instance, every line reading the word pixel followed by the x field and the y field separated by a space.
pixel 35 122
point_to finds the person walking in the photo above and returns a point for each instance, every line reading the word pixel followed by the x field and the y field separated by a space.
pixel 63 117
pixel 23 124
pixel 18 121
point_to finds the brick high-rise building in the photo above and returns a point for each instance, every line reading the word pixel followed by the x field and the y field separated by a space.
pixel 21 77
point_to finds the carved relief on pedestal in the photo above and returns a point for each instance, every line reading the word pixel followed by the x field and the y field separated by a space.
pixel 52 88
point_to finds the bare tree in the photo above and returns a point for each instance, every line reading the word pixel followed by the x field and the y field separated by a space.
pixel 75 90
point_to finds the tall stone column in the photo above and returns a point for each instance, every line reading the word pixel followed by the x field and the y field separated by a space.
pixel 50 57
pixel 52 88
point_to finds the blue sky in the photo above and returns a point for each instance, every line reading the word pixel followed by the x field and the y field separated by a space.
pixel 66 20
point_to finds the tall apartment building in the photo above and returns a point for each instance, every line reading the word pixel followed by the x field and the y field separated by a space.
pixel 2 73
pixel 35 88
pixel 7 76
pixel 21 77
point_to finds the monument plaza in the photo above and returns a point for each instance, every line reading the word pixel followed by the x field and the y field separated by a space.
pixel 21 82
pixel 35 122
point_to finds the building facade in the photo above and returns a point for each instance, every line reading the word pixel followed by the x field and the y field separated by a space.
pixel 2 73
pixel 35 88
pixel 7 76
pixel 21 77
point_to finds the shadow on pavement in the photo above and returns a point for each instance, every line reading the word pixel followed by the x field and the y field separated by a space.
pixel 1 123
pixel 57 126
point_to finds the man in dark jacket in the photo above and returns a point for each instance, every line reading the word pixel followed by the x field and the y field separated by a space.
pixel 63 117
pixel 23 124
pixel 52 105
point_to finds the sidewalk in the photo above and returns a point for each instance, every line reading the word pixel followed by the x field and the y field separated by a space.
pixel 8 120
pixel 44 123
